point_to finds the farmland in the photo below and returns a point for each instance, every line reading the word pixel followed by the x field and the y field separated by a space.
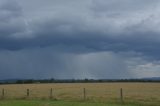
pixel 133 93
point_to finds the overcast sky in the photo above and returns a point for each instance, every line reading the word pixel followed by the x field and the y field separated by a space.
pixel 79 39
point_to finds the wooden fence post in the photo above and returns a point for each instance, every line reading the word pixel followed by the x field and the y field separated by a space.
pixel 3 93
pixel 27 92
pixel 121 94
pixel 84 93
pixel 51 93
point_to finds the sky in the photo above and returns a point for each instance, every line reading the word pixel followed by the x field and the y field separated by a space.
pixel 76 39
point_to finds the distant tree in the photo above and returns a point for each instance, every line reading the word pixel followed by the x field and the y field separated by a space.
pixel 86 80
pixel 19 82
pixel 52 80
pixel 29 81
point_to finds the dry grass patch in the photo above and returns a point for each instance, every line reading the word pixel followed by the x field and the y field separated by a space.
pixel 94 91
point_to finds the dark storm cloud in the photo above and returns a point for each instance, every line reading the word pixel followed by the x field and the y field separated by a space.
pixel 46 63
pixel 11 21
pixel 75 31
pixel 57 36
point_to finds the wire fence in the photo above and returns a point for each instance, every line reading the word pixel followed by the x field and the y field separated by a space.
pixel 99 93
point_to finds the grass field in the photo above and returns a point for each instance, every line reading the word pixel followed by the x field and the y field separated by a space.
pixel 62 103
pixel 146 94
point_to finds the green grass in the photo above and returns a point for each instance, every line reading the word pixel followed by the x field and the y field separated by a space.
pixel 64 103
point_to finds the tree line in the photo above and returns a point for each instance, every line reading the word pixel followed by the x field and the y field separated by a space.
pixel 52 80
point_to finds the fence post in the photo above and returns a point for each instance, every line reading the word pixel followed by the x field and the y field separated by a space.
pixel 51 93
pixel 27 92
pixel 84 93
pixel 121 94
pixel 3 93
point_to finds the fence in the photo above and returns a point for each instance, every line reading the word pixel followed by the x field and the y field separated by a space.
pixel 5 94
pixel 78 92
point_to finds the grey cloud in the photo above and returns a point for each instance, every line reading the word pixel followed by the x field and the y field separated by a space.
pixel 121 6
pixel 35 63
pixel 11 19
pixel 45 63
pixel 73 37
